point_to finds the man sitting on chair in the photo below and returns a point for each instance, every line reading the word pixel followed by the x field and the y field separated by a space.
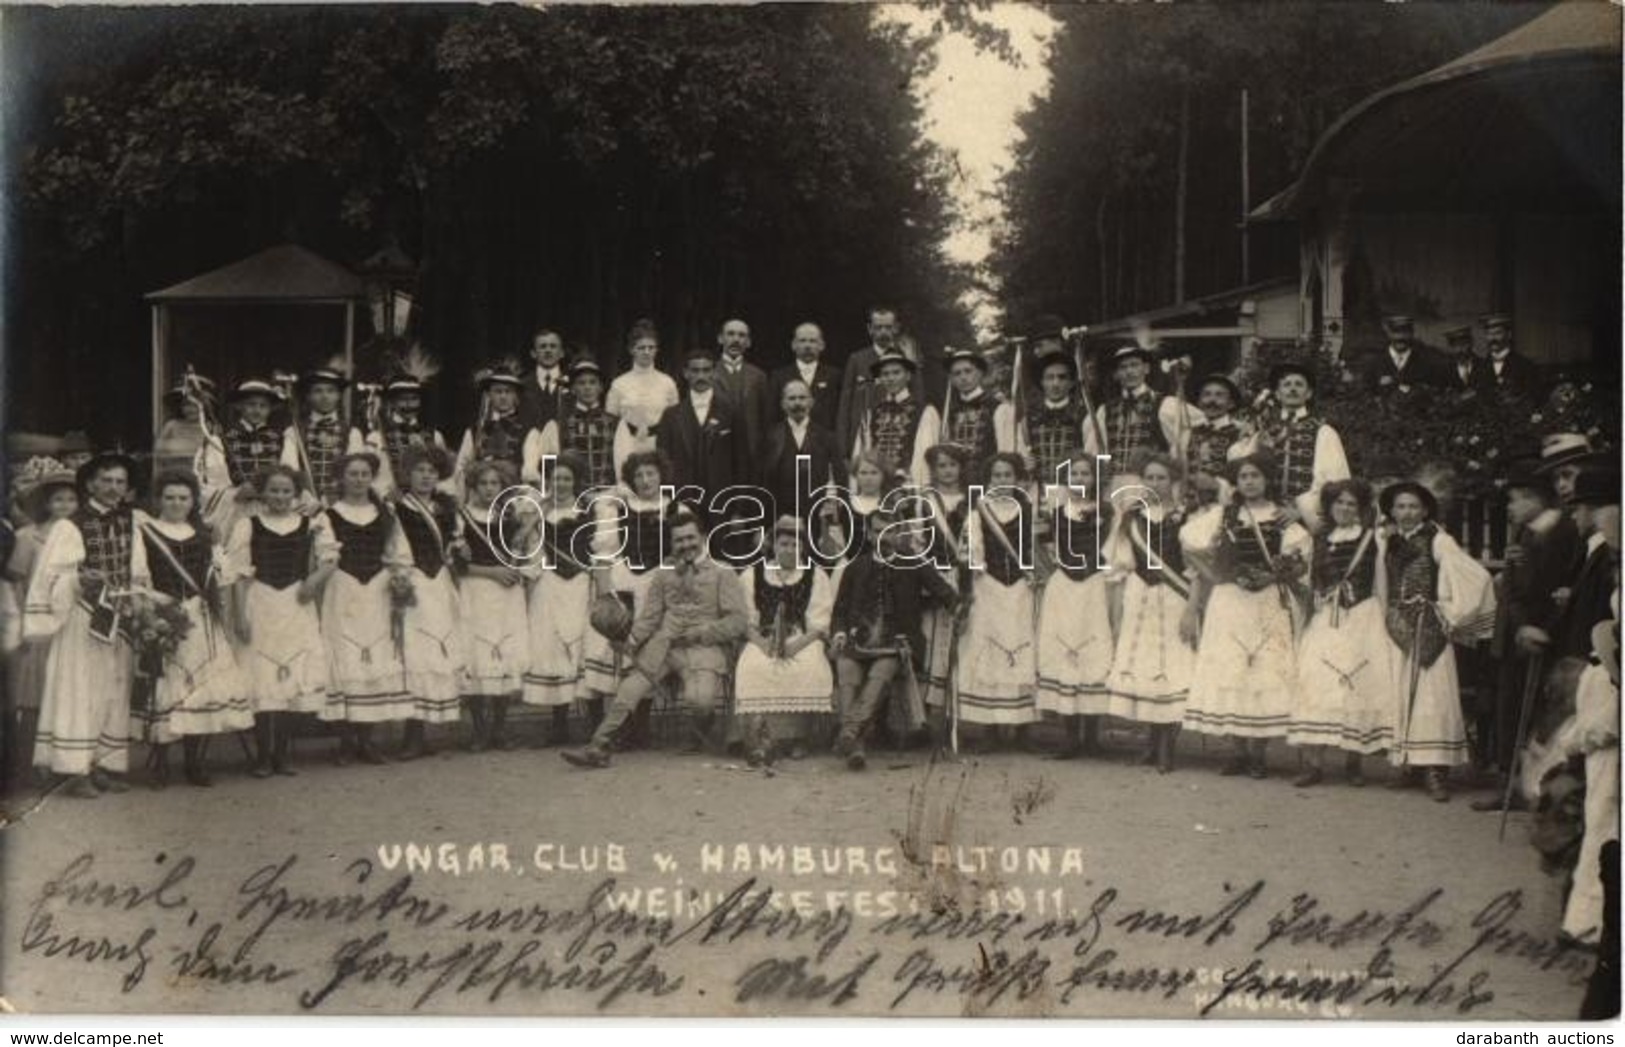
pixel 687 626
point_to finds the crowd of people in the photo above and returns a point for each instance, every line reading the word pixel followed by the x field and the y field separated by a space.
pixel 811 556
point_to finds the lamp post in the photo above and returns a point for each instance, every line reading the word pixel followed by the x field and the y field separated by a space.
pixel 391 277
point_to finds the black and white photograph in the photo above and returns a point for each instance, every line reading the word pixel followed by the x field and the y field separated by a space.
pixel 1071 511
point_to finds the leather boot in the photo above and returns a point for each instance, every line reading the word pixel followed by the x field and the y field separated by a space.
pixel 499 722
pixel 193 748
pixel 284 743
pixel 264 745
pixel 479 724
pixel 413 746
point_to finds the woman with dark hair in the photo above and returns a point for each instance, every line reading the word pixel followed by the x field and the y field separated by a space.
pixel 561 595
pixel 1253 560
pixel 1432 590
pixel 1343 699
pixel 51 500
pixel 641 394
pixel 499 536
pixel 363 610
pixel 197 690
pixel 278 562
pixel 1157 630
pixel 948 508
pixel 431 643
pixel 997 664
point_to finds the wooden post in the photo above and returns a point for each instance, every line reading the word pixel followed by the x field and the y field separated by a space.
pixel 349 361
pixel 160 366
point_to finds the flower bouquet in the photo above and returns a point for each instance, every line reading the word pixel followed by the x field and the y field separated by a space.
pixel 402 595
pixel 157 632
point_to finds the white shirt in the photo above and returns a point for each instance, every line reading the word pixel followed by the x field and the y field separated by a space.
pixel 807 371
pixel 548 378
pixel 702 403
pixel 733 364
pixel 798 431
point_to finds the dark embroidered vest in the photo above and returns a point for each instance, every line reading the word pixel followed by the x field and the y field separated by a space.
pixel 325 443
pixel 1053 435
pixel 970 428
pixel 1000 565
pixel 1162 541
pixel 107 547
pixel 484 539
pixel 280 560
pixel 1413 586
pixel 193 556
pixel 945 546
pixel 794 599
pixel 361 546
pixel 893 428
pixel 1294 450
pixel 1132 428
pixel 1076 551
pixel 1332 561
pixel 591 434
pixel 1242 559
pixel 501 438
pixel 249 452
pixel 429 547
pixel 569 541
pixel 1209 446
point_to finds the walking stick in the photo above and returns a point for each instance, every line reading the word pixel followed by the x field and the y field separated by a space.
pixel 1101 446
pixel 1531 686
pixel 912 700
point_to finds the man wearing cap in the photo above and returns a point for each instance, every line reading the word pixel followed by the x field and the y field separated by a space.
pixel 82 598
pixel 686 626
pixel 703 437
pixel 1308 453
pixel 897 425
pixel 809 368
pixel 1216 430
pixel 400 426
pixel 1465 373
pixel 1138 420
pixel 321 435
pixel 547 386
pixel 229 466
pixel 973 419
pixel 499 433
pixel 927 381
pixel 743 384
pixel 1543 555
pixel 1403 366
pixel 1510 373
pixel 584 428
pixel 1052 431
pixel 794 488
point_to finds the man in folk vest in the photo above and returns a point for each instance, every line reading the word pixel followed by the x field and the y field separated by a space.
pixel 400 426
pixel 974 420
pixel 1138 420
pixel 321 435
pixel 1216 430
pixel 1308 453
pixel 1054 427
pixel 584 428
pixel 898 425
pixel 499 433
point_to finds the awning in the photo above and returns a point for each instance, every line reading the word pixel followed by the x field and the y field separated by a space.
pixel 286 273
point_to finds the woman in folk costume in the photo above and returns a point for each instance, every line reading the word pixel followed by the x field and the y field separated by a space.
pixel 640 395
pixel 363 611
pixel 1344 698
pixel 1253 559
pixel 561 595
pixel 498 532
pixel 1074 620
pixel 628 545
pixel 783 677
pixel 321 436
pixel 870 484
pixel 278 561
pixel 433 651
pixel 1432 591
pixel 997 664
pixel 49 500
pixel 197 690
pixel 1150 675
pixel 948 509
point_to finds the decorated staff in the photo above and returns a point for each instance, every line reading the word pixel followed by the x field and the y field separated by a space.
pixel 320 434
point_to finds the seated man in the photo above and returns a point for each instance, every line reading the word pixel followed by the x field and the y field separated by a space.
pixel 875 627
pixel 687 626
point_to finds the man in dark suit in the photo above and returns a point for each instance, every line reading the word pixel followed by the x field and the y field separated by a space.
pixel 1464 372
pixel 743 383
pixel 794 436
pixel 543 395
pixel 1511 374
pixel 1402 367
pixel 702 436
pixel 820 378
pixel 927 383
pixel 1579 603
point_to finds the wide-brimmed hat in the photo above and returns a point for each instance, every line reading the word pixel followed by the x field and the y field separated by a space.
pixel 323 376
pixel 892 358
pixel 1132 351
pixel 82 476
pixel 583 365
pixel 39 492
pixel 254 387
pixel 489 376
pixel 1224 380
pixel 403 384
pixel 969 356
pixel 1430 502
pixel 1286 367
pixel 1563 448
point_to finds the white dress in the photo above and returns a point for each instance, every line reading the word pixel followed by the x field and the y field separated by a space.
pixel 1428 726
pixel 1246 665
pixel 286 658
pixel 937 620
pixel 368 678
pixel 803 683
pixel 1343 696
pixel 998 665
pixel 494 622
pixel 84 718
pixel 1074 623
pixel 639 397
pixel 433 648
pixel 1150 676
pixel 200 689
pixel 559 599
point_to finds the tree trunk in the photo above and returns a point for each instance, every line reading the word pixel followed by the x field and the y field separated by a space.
pixel 1182 191
pixel 1105 258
